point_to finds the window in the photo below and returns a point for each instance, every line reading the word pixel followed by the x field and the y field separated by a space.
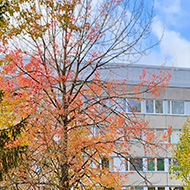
pixel 160 164
pixel 115 104
pixel 176 188
pixel 126 166
pixel 118 163
pixel 136 164
pixel 158 106
pixel 151 164
pixel 134 137
pixel 134 105
pixel 176 107
pixel 149 106
pixel 154 106
pixel 162 136
pixel 173 161
pixel 174 138
pixel 155 164
pixel 105 163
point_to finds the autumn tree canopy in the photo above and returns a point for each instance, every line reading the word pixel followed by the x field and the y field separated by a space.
pixel 52 56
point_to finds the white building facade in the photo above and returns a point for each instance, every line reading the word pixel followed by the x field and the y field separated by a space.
pixel 171 108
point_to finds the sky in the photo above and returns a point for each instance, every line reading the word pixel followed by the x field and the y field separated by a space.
pixel 172 21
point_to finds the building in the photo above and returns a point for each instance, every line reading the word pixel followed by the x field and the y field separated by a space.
pixel 169 109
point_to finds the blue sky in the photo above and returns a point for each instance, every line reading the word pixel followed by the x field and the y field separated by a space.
pixel 172 20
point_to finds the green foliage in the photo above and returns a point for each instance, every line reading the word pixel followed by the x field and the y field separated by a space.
pixel 1 95
pixel 29 18
pixel 10 156
pixel 181 164
pixel 3 8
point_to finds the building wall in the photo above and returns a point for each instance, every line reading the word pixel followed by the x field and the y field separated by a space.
pixel 176 96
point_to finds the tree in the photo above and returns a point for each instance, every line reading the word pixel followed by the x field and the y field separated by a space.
pixel 180 167
pixel 11 129
pixel 3 7
pixel 53 54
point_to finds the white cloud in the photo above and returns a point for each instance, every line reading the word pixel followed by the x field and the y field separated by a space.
pixel 169 6
pixel 174 49
pixel 170 11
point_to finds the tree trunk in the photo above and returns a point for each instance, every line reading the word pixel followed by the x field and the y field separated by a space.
pixel 64 183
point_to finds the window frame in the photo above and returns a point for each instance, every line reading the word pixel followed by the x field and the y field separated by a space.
pixel 131 167
pixel 159 131
pixel 170 107
pixel 172 137
pixel 163 165
pixel 108 163
pixel 129 107
pixel 154 106
pixel 117 105
pixel 155 165
pixel 149 160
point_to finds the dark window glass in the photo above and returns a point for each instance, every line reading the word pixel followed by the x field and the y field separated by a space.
pixel 136 164
pixel 126 166
pixel 105 163
pixel 151 164
pixel 158 106
pixel 173 161
pixel 160 164
pixel 149 106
